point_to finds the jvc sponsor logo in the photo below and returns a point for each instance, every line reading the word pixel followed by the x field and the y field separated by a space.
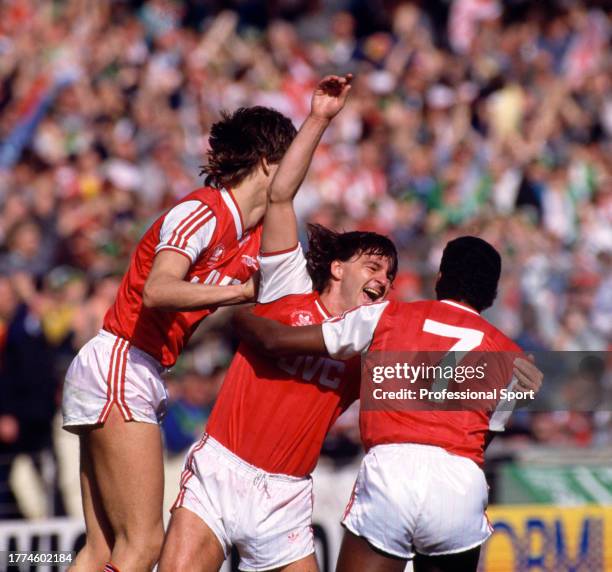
pixel 329 371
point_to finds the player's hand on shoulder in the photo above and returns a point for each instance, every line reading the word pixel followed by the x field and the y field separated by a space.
pixel 528 375
pixel 250 288
pixel 330 95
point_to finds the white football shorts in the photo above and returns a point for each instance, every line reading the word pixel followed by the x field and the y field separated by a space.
pixel 109 372
pixel 418 498
pixel 266 516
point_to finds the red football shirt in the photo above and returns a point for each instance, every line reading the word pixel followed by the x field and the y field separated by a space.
pixel 207 228
pixel 275 414
pixel 438 326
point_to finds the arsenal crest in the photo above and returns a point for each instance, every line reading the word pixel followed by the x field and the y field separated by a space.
pixel 301 318
pixel 250 261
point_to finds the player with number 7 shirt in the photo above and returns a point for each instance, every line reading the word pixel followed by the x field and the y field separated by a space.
pixel 420 493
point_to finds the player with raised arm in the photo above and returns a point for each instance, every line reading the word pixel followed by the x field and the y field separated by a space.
pixel 196 257
pixel 418 464
pixel 247 482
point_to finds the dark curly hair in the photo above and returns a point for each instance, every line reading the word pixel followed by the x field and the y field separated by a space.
pixel 241 139
pixel 325 246
pixel 469 272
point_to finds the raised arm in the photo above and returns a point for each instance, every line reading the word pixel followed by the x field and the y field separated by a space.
pixel 280 226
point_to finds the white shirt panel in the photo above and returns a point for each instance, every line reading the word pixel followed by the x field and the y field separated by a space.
pixel 283 274
pixel 504 410
pixel 187 228
pixel 352 333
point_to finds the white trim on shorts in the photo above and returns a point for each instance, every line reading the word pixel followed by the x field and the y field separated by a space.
pixel 458 550
pixel 116 381
pixel 84 403
pixel 403 556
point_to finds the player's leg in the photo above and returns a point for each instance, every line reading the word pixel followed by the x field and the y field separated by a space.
pixel 356 553
pixel 448 539
pixel 99 536
pixel 464 561
pixel 128 468
pixel 206 504
pixel 380 515
pixel 190 545
pixel 307 564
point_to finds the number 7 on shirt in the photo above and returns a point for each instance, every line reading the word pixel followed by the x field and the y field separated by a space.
pixel 468 339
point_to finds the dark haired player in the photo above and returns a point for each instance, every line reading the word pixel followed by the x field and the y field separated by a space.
pixel 420 492
pixel 247 482
pixel 199 255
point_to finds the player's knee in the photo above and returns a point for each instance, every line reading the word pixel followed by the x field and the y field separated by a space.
pixel 144 547
pixel 172 558
pixel 100 550
pixel 150 547
pixel 93 556
pixel 180 551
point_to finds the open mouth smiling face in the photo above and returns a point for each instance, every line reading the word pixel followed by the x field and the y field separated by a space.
pixel 374 269
pixel 373 293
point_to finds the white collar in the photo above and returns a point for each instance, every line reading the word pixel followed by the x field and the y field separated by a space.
pixel 460 306
pixel 231 204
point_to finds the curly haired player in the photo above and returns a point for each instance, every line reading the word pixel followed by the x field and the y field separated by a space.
pixel 247 481
pixel 194 258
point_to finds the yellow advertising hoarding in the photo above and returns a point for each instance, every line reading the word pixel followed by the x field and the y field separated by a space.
pixel 542 538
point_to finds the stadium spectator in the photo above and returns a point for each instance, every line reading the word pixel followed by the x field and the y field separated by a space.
pixel 29 398
pixel 189 411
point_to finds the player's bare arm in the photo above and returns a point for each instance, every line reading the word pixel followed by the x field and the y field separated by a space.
pixel 166 288
pixel 327 101
pixel 275 339
pixel 529 378
pixel 280 226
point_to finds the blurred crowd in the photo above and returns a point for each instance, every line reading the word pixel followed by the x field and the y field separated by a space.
pixel 466 116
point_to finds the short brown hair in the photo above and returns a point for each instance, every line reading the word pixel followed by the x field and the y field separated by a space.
pixel 240 140
pixel 325 246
